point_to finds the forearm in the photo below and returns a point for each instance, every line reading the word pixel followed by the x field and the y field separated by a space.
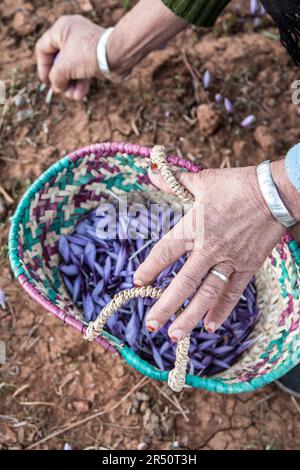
pixel 143 29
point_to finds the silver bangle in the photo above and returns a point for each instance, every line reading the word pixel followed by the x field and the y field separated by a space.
pixel 101 53
pixel 271 196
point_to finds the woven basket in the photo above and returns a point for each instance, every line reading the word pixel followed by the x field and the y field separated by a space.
pixel 59 198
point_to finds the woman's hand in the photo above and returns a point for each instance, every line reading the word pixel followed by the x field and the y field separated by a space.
pixel 67 52
pixel 66 55
pixel 229 229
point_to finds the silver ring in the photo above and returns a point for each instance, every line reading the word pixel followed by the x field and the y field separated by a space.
pixel 220 275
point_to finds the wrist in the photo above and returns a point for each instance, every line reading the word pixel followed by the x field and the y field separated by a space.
pixel 119 55
pixel 288 193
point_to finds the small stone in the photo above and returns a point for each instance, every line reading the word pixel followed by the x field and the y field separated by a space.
pixel 20 100
pixel 240 149
pixel 85 6
pixel 3 209
pixel 265 139
pixel 24 114
pixel 144 407
pixel 142 446
pixel 142 396
pixel 24 22
pixel 209 120
pixel 81 406
pixel 47 152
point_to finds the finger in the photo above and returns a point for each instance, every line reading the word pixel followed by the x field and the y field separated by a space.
pixel 69 93
pixel 205 298
pixel 46 50
pixel 187 180
pixel 183 286
pixel 166 251
pixel 81 89
pixel 59 74
pixel 227 301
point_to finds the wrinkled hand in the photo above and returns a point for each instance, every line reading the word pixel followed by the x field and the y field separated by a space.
pixel 231 230
pixel 66 55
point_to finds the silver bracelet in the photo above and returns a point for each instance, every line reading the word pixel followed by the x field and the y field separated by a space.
pixel 101 53
pixel 271 196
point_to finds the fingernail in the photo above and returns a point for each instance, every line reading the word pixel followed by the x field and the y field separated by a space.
pixel 152 325
pixel 211 327
pixel 137 283
pixel 154 168
pixel 176 335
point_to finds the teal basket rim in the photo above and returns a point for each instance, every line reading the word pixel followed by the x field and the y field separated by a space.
pixel 210 384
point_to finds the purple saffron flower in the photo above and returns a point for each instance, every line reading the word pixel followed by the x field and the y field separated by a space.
pixel 2 299
pixel 218 98
pixel 248 120
pixel 67 446
pixel 206 79
pixel 253 7
pixel 228 105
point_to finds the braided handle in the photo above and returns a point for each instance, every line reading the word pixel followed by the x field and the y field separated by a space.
pixel 158 158
pixel 176 378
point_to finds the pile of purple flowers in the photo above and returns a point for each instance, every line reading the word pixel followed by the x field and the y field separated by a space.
pixel 94 269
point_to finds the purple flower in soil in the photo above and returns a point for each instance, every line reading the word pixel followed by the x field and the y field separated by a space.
pixel 218 98
pixel 228 105
pixel 253 7
pixel 2 299
pixel 67 446
pixel 206 79
pixel 248 121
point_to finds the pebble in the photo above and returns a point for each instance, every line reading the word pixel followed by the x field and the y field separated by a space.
pixel 241 149
pixel 24 22
pixel 20 100
pixel 265 139
pixel 3 209
pixel 209 120
pixel 86 6
pixel 142 396
pixel 142 446
pixel 24 114
pixel 81 406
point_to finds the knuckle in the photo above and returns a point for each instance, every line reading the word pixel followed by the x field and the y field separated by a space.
pixel 189 322
pixel 188 283
pixel 161 312
pixel 209 291
pixel 162 253
pixel 62 20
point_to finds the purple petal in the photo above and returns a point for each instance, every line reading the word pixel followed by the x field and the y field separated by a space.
pixel 206 79
pixel 69 270
pixel 228 105
pixel 248 120
pixel 64 249
pixel 218 98
pixel 253 7
pixel 2 299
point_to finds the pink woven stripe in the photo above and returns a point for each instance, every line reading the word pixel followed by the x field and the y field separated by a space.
pixel 109 148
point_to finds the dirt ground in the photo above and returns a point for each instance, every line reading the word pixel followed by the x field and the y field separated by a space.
pixel 55 388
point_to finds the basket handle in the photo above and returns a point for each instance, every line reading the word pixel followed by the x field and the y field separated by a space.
pixel 176 377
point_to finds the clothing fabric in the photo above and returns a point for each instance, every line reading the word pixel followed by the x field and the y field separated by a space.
pixel 292 166
pixel 198 12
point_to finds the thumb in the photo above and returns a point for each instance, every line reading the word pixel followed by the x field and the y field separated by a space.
pixel 188 180
pixel 59 74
